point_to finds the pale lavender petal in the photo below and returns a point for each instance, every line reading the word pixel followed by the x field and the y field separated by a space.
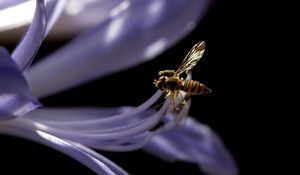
pixel 128 130
pixel 131 145
pixel 8 3
pixel 99 164
pixel 164 149
pixel 31 41
pixel 54 9
pixel 138 127
pixel 15 98
pixel 196 143
pixel 81 15
pixel 138 32
pixel 89 118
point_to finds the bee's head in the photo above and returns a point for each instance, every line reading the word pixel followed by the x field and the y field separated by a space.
pixel 160 83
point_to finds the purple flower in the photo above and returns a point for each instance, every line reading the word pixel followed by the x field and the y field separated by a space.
pixel 128 34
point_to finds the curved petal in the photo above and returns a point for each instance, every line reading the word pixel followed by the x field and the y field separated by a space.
pixel 115 129
pixel 86 156
pixel 15 98
pixel 135 33
pixel 43 20
pixel 196 143
pixel 120 132
pixel 30 43
pixel 89 118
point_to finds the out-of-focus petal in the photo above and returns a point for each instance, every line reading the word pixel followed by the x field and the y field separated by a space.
pixel 31 41
pixel 81 15
pixel 135 33
pixel 99 164
pixel 8 3
pixel 54 9
pixel 196 143
pixel 13 17
pixel 15 98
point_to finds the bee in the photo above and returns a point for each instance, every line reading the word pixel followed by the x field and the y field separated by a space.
pixel 172 84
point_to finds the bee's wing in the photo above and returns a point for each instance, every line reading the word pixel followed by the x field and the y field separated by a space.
pixel 192 58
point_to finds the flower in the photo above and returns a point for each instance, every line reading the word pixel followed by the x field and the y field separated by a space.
pixel 132 33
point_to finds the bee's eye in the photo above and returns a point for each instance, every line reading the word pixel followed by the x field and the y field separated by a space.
pixel 163 79
pixel 161 82
pixel 159 85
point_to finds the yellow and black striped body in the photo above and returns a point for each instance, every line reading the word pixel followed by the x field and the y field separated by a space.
pixel 174 83
pixel 193 87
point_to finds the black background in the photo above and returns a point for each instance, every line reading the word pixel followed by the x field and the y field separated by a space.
pixel 226 110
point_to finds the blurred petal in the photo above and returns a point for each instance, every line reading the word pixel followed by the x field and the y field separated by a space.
pixel 99 164
pixel 196 143
pixel 14 18
pixel 54 9
pixel 8 3
pixel 133 34
pixel 31 41
pixel 15 98
pixel 81 15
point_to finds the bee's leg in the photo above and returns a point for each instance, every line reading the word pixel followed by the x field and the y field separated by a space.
pixel 180 112
pixel 167 93
pixel 173 105
pixel 182 97
pixel 174 98
pixel 182 102
pixel 187 97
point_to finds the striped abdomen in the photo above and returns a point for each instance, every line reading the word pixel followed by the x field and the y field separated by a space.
pixel 193 87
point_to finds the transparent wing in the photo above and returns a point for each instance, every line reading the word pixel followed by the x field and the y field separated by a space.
pixel 192 58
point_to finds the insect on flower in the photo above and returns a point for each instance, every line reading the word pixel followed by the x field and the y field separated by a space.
pixel 172 84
